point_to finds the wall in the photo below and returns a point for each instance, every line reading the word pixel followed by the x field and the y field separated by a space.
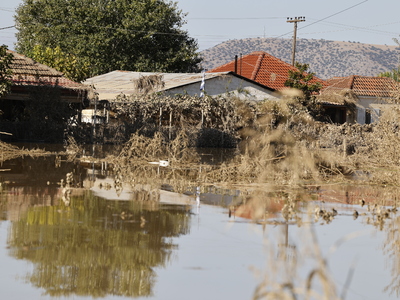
pixel 227 84
pixel 374 105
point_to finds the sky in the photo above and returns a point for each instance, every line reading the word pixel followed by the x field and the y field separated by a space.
pixel 212 22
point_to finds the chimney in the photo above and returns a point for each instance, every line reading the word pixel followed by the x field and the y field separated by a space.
pixel 236 62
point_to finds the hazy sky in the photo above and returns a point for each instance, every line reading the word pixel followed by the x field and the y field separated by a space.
pixel 214 21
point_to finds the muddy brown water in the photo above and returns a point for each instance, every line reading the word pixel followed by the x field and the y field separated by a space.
pixel 105 245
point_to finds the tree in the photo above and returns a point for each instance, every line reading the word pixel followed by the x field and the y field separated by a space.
pixel 69 64
pixel 394 74
pixel 107 35
pixel 305 82
pixel 5 70
pixel 302 80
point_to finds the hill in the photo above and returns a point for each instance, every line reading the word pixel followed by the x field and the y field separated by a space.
pixel 327 59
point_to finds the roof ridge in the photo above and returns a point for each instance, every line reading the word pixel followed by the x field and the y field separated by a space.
pixel 276 58
pixel 352 77
pixel 374 77
pixel 257 66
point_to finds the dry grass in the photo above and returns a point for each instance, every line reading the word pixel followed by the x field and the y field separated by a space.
pixel 281 144
pixel 147 84
pixel 281 278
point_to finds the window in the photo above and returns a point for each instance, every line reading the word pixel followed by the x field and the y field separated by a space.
pixel 367 116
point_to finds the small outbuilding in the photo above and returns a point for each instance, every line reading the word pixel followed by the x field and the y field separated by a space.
pixel 111 85
pixel 371 95
pixel 40 98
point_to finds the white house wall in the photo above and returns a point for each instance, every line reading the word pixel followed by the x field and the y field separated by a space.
pixel 227 84
pixel 371 103
pixel 360 114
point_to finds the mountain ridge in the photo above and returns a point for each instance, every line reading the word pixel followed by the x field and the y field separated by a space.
pixel 327 59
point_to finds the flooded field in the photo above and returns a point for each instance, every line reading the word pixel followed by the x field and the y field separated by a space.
pixel 104 237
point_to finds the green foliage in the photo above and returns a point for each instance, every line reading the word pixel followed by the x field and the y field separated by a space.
pixel 301 80
pixel 110 35
pixel 72 67
pixel 5 71
pixel 394 74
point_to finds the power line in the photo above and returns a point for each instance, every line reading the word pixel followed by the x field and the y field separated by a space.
pixel 8 27
pixel 365 29
pixel 334 14
pixel 239 18
pixel 327 17
pixel 7 9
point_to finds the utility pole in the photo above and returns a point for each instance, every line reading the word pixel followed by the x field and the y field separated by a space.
pixel 295 21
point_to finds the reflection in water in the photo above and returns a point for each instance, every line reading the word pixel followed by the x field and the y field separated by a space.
pixel 96 247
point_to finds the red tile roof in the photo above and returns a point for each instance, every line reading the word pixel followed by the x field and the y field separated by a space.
pixel 364 85
pixel 262 68
pixel 26 71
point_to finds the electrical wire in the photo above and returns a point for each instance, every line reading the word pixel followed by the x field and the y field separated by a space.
pixel 239 18
pixel 320 20
pixel 365 29
pixel 8 27
pixel 335 14
pixel 7 9
pixel 221 37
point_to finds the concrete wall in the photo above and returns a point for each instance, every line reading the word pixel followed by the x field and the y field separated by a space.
pixel 372 105
pixel 227 84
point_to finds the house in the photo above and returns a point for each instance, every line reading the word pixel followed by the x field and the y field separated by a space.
pixel 111 85
pixel 372 95
pixel 31 81
pixel 263 68
pixel 273 72
pixel 27 74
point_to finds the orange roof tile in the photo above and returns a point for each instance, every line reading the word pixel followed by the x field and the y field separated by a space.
pixel 263 68
pixel 26 71
pixel 364 85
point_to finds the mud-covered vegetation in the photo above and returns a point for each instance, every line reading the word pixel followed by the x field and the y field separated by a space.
pixel 209 122
pixel 280 162
pixel 275 142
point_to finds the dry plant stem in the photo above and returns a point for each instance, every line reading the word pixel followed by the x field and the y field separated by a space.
pixel 8 151
pixel 348 281
pixel 322 271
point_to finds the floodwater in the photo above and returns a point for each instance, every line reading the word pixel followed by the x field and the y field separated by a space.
pixel 104 245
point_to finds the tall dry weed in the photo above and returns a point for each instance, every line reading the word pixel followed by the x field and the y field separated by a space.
pixel 295 271
pixel 376 153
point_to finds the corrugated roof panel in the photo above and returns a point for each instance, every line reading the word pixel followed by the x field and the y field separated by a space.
pixel 116 82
